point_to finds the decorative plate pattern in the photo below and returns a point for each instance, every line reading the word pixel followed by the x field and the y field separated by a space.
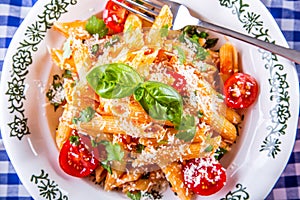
pixel 51 184
pixel 22 59
pixel 48 188
pixel 279 114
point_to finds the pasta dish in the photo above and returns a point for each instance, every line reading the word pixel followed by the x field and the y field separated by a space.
pixel 145 108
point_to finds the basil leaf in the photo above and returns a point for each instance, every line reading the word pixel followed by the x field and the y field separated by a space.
pixel 113 81
pixel 96 26
pixel 187 122
pixel 187 128
pixel 186 135
pixel 160 101
pixel 203 34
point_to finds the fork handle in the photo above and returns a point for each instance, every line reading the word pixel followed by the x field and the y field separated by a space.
pixel 290 54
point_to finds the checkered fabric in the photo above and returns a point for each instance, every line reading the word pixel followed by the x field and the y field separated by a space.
pixel 12 12
pixel 286 14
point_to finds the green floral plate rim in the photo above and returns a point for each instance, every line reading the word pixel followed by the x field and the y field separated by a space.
pixel 275 125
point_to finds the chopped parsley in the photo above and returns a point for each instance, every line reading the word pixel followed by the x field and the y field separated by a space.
pixel 106 166
pixel 181 54
pixel 221 96
pixel 74 139
pixel 140 148
pixel 114 39
pixel 85 115
pixel 134 195
pixel 164 31
pixel 114 151
pixel 193 43
pixel 220 153
pixel 209 148
pixel 95 49
pixel 67 74
pixel 200 114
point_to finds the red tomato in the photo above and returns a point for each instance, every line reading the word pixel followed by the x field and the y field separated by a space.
pixel 114 16
pixel 240 90
pixel 179 83
pixel 128 142
pixel 75 159
pixel 204 176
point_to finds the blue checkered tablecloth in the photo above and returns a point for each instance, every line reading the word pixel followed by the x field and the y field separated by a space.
pixel 287 15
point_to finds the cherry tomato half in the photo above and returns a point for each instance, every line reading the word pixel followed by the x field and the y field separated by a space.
pixel 204 176
pixel 240 90
pixel 114 16
pixel 75 159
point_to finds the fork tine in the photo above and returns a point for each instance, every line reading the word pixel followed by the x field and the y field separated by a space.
pixel 151 3
pixel 142 15
pixel 142 7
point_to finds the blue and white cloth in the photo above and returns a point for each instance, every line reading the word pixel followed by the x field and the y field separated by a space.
pixel 286 14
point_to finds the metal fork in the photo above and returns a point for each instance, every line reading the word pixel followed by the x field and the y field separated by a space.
pixel 148 10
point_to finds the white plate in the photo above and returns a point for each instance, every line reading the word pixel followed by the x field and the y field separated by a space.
pixel 28 122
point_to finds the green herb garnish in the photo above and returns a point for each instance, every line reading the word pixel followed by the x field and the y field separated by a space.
pixel 134 195
pixel 159 100
pixel 74 139
pixel 55 94
pixel 85 115
pixel 220 152
pixel 96 26
pixel 181 54
pixel 201 53
pixel 140 148
pixel 211 42
pixel 106 166
pixel 164 31
pixel 114 151
pixel 209 148
pixel 200 114
pixel 113 81
pixel 95 49
pixel 114 39
pixel 67 74
pixel 187 128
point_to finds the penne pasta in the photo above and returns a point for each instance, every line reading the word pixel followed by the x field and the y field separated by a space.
pixel 143 103
pixel 174 175
pixel 76 28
